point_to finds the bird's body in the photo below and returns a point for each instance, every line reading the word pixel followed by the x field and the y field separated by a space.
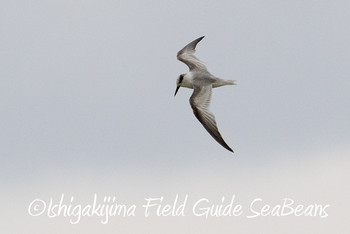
pixel 203 78
pixel 199 79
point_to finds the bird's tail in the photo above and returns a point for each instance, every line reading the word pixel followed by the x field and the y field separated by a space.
pixel 222 82
pixel 231 82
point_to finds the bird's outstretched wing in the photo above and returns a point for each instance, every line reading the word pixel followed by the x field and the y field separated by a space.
pixel 200 101
pixel 186 55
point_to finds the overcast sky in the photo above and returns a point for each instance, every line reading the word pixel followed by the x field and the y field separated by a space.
pixel 86 98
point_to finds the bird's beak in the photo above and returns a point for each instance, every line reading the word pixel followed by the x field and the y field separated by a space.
pixel 177 89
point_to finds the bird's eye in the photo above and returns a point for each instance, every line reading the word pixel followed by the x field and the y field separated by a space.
pixel 181 78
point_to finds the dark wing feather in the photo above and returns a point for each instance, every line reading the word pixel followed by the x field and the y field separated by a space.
pixel 200 101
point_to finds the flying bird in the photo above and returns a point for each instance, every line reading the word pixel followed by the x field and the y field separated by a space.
pixel 202 82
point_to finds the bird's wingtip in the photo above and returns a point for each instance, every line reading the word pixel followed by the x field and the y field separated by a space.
pixel 229 149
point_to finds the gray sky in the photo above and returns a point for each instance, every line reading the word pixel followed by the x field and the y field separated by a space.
pixel 87 92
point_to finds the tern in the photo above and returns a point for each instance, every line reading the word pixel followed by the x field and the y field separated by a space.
pixel 201 81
